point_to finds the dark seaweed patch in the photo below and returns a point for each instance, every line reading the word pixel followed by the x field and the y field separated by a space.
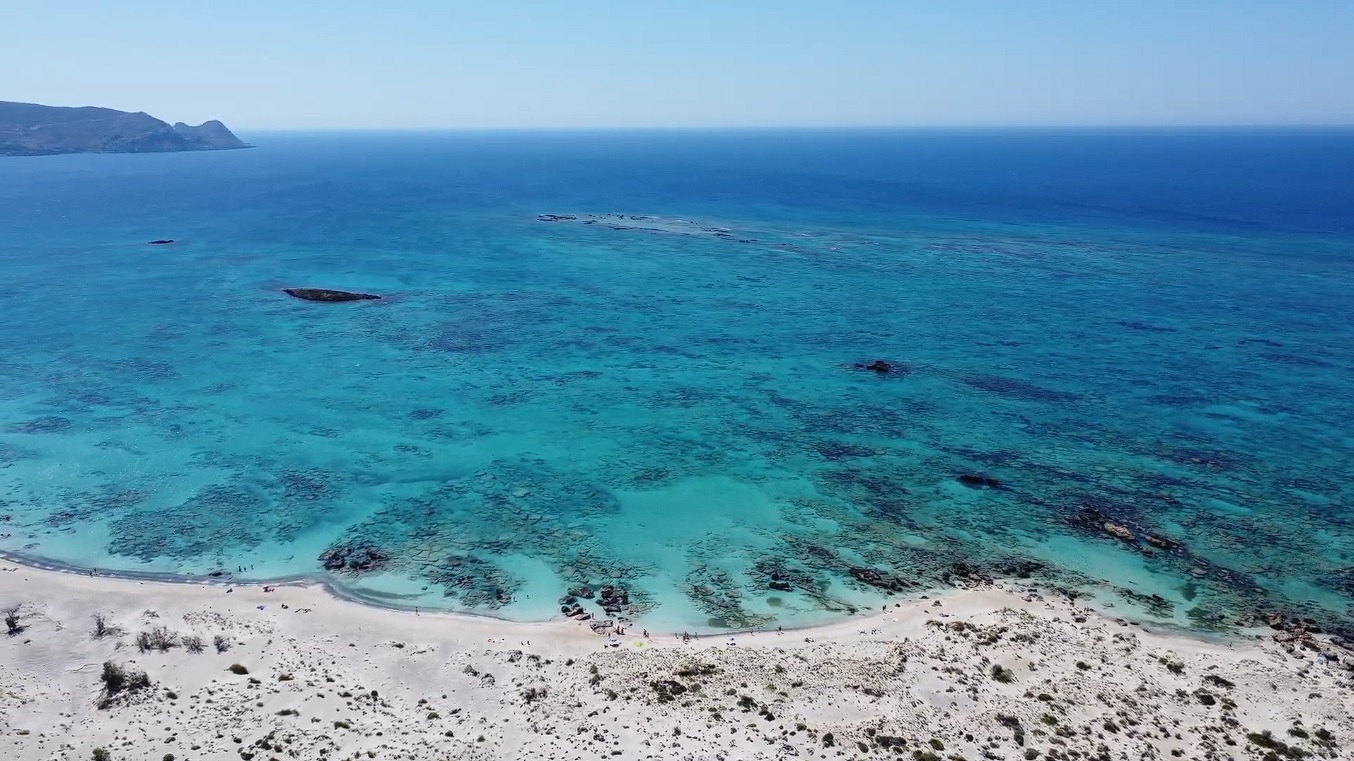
pixel 212 522
pixel 47 424
pixel 1295 359
pixel 476 582
pixel 841 450
pixel 1017 389
pixel 1146 327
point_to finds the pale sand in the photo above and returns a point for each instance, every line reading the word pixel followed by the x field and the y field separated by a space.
pixel 452 687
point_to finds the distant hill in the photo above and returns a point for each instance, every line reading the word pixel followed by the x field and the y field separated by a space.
pixel 28 129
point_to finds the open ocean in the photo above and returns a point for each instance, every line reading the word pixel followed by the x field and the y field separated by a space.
pixel 1148 330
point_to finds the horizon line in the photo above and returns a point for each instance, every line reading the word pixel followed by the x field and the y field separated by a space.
pixel 822 128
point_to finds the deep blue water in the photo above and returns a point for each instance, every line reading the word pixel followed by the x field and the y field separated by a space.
pixel 661 392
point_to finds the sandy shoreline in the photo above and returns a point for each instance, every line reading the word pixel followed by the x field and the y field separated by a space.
pixel 993 672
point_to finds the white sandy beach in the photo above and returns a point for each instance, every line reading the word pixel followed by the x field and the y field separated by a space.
pixel 996 672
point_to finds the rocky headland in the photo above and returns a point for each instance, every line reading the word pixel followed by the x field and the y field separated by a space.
pixel 30 129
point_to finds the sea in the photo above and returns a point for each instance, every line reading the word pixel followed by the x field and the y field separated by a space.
pixel 1117 363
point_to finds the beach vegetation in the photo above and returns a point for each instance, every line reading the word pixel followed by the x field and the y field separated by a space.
pixel 937 744
pixel 102 628
pixel 236 668
pixel 342 725
pixel 829 740
pixel 101 754
pixel 532 694
pixel 193 644
pixel 12 624
pixel 118 680
pixel 706 669
pixel 221 643
pixel 1002 674
pixel 1218 681
pixel 158 638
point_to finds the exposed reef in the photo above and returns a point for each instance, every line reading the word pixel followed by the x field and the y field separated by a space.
pixel 328 295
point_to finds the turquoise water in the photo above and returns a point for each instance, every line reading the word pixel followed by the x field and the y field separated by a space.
pixel 661 393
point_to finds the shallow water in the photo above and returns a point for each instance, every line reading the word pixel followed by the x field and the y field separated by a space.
pixel 661 392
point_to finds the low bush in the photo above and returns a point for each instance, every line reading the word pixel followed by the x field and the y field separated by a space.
pixel 12 621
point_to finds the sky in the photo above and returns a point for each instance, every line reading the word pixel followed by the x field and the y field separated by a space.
pixel 425 64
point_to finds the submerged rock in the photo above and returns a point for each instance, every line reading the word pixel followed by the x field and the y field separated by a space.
pixel 1161 542
pixel 882 367
pixel 357 557
pixel 975 481
pixel 879 579
pixel 556 217
pixel 614 600
pixel 164 242
pixel 327 295
pixel 1120 531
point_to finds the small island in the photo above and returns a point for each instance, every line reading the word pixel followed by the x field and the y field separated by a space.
pixel 29 129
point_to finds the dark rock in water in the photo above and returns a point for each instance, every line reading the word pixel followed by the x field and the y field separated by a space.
pixel 1161 542
pixel 326 294
pixel 1020 568
pixel 556 217
pixel 781 586
pixel 962 572
pixel 1120 531
pixel 975 481
pixel 882 367
pixel 584 592
pixel 879 579
pixel 614 600
pixel 358 557
pixel 164 242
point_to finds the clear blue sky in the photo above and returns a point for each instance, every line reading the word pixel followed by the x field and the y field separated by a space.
pixel 531 63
